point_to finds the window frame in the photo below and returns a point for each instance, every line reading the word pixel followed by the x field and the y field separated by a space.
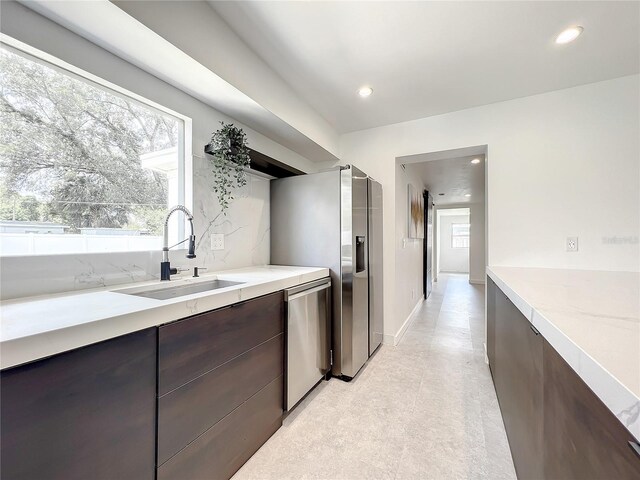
pixel 185 157
pixel 455 236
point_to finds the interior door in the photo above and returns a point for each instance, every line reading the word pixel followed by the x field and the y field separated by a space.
pixel 428 245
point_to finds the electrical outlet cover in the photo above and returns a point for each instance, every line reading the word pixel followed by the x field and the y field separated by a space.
pixel 217 241
pixel 572 244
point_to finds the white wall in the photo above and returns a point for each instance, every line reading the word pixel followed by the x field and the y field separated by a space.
pixel 477 245
pixel 451 259
pixel 408 273
pixel 561 163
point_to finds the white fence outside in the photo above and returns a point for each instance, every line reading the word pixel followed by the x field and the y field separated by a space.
pixel 49 244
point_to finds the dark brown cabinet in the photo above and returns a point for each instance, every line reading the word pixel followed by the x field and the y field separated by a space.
pixel 192 399
pixel 517 377
pixel 584 440
pixel 224 448
pixel 191 347
pixel 492 290
pixel 220 388
pixel 558 429
pixel 187 412
pixel 87 413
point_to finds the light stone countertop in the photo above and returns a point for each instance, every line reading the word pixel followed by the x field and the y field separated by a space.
pixel 37 327
pixel 592 319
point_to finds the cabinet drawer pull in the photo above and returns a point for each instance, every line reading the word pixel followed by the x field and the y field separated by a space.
pixel 534 330
pixel 635 447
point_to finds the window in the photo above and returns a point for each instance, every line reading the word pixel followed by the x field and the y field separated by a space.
pixel 83 168
pixel 459 235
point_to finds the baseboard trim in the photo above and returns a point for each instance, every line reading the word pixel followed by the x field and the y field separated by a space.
pixel 388 339
pixel 476 281
pixel 395 339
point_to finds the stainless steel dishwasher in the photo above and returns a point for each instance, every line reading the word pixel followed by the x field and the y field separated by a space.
pixel 308 357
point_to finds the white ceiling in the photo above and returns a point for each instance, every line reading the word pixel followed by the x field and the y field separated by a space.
pixel 453 176
pixel 427 58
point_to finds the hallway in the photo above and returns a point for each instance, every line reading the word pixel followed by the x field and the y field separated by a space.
pixel 425 409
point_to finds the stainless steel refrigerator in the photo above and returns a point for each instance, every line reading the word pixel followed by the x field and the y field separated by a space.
pixel 334 219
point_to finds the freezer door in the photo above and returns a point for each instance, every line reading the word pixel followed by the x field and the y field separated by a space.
pixel 355 274
pixel 375 265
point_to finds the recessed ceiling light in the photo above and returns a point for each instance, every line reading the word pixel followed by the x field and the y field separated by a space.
pixel 365 91
pixel 475 161
pixel 467 194
pixel 569 35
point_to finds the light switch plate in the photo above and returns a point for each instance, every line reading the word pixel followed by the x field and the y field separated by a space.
pixel 217 241
pixel 572 244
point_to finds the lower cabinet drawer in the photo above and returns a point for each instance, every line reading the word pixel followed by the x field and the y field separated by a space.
pixel 187 412
pixel 196 345
pixel 223 449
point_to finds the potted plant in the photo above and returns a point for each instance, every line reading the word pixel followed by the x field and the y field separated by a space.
pixel 229 157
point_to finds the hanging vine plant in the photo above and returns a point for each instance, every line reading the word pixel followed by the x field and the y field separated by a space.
pixel 229 157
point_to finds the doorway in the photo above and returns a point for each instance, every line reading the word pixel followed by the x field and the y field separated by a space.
pixel 455 179
pixel 453 240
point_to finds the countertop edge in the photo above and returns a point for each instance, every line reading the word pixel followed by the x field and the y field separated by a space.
pixel 614 394
pixel 29 348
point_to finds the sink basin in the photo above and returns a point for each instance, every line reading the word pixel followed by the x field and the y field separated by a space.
pixel 165 293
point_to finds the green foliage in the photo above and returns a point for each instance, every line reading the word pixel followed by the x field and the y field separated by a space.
pixel 14 206
pixel 229 157
pixel 144 217
pixel 74 149
pixel 83 211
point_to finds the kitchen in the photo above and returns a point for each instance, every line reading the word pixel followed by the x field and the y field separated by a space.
pixel 109 371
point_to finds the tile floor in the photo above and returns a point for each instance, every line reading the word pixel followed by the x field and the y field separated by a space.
pixel 425 409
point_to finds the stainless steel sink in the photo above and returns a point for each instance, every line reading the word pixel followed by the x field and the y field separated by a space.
pixel 165 293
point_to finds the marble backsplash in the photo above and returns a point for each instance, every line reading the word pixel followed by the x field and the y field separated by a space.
pixel 245 227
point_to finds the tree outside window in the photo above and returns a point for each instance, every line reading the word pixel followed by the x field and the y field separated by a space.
pixel 78 159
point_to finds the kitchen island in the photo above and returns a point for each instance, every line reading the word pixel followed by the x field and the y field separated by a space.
pixel 564 352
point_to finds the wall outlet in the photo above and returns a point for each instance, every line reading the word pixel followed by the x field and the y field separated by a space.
pixel 217 241
pixel 572 244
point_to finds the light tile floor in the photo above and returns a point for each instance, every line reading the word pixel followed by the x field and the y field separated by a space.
pixel 425 409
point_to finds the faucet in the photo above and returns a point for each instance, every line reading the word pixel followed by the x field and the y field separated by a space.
pixel 165 267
